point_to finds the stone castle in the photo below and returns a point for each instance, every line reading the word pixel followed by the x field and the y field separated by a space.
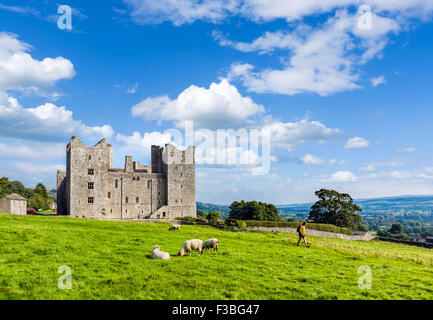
pixel 92 188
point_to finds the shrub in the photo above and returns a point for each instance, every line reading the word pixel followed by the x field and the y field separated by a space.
pixel 190 219
pixel 285 224
pixel 241 224
pixel 213 217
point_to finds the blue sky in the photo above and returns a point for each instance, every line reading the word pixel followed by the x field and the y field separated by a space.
pixel 347 103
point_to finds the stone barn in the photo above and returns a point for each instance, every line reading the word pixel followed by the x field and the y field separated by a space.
pixel 13 204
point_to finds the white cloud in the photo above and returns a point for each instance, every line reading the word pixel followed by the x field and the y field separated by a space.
pixel 357 143
pixel 46 122
pixel 139 143
pixel 406 150
pixel 378 81
pixel 32 151
pixel 343 176
pixel 179 12
pixel 219 106
pixel 311 160
pixel 335 161
pixel 289 135
pixel 19 71
pixel 322 59
pixel 368 168
pixel 133 89
pixel 187 11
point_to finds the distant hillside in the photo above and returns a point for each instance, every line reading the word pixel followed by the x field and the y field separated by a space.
pixel 209 207
pixel 414 213
pixel 379 207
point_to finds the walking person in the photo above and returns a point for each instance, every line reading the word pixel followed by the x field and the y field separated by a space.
pixel 301 232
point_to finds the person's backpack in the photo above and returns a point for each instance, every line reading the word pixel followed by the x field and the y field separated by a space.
pixel 299 229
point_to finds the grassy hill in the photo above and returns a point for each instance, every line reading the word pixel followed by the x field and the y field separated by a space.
pixel 109 260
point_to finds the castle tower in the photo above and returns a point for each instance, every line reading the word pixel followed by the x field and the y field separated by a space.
pixel 180 168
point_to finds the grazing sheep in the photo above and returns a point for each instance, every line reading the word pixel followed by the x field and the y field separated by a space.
pixel 175 227
pixel 188 246
pixel 211 243
pixel 158 254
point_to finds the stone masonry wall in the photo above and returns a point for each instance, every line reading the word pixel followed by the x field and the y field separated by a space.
pixel 355 237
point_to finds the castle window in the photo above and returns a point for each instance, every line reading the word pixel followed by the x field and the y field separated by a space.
pixel 109 195
pixel 111 210
pixel 148 183
pixel 90 200
pixel 90 185
pixel 126 199
pixel 116 183
pixel 163 214
pixel 176 201
pixel 90 157
pixel 181 200
pixel 138 178
pixel 90 172
pixel 133 178
pixel 137 200
pixel 181 186
pixel 180 174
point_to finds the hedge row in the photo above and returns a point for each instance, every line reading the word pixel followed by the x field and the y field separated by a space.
pixel 285 224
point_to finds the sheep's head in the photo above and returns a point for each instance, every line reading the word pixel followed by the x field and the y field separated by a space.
pixel 156 247
pixel 181 252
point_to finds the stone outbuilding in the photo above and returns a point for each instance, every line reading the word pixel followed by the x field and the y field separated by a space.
pixel 13 204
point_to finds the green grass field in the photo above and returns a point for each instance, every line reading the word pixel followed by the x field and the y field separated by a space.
pixel 109 260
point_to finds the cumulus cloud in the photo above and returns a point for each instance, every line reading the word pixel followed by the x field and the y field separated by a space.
pixel 322 60
pixel 46 122
pixel 219 106
pixel 357 143
pixel 188 11
pixel 343 176
pixel 311 160
pixel 20 71
pixel 378 81
pixel 289 135
pixel 179 12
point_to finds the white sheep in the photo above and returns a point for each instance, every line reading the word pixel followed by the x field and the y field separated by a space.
pixel 175 227
pixel 158 254
pixel 188 246
pixel 211 243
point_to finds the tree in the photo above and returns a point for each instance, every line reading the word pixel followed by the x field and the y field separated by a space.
pixel 396 228
pixel 337 209
pixel 39 198
pixel 253 210
pixel 213 217
pixel 5 187
pixel 40 189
